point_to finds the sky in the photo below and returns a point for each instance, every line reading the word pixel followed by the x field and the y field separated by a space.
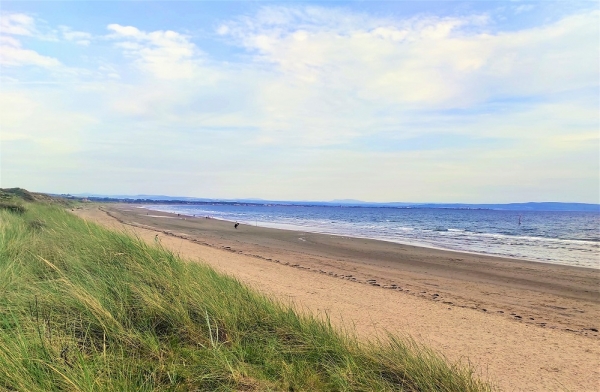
pixel 407 101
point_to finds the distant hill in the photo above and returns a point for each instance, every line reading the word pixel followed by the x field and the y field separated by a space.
pixel 531 206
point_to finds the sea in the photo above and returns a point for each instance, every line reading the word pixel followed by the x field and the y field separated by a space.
pixel 556 237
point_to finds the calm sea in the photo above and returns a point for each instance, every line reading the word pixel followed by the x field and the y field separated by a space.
pixel 570 238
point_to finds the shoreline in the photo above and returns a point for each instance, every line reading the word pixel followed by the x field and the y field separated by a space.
pixel 316 230
pixel 464 313
pixel 347 236
pixel 546 295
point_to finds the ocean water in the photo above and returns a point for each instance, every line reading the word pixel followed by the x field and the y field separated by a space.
pixel 557 237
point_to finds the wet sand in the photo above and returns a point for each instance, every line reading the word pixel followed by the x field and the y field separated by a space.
pixel 526 325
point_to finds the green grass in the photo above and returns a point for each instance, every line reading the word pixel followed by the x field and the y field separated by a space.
pixel 84 308
pixel 12 207
pixel 18 193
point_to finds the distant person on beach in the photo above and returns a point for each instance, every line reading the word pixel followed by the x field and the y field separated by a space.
pixel 156 238
pixel 236 225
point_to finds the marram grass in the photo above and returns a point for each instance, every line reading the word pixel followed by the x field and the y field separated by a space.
pixel 83 308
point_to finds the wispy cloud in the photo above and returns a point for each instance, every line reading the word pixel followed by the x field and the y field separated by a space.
pixel 165 54
pixel 17 24
pixel 79 37
pixel 316 95
pixel 519 9
pixel 424 61
pixel 12 52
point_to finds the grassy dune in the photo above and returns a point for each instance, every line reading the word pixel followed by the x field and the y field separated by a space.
pixel 84 308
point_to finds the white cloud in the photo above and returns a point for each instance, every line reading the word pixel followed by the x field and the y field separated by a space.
pixel 324 77
pixel 25 25
pixel 79 37
pixel 321 95
pixel 13 54
pixel 11 51
pixel 109 70
pixel 164 54
pixel 425 61
pixel 126 31
pixel 17 24
pixel 523 8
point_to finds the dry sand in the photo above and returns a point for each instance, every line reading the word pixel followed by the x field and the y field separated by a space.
pixel 523 325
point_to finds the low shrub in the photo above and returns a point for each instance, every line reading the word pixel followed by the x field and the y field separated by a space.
pixel 12 207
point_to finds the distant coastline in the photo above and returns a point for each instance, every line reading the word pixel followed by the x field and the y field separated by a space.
pixel 160 199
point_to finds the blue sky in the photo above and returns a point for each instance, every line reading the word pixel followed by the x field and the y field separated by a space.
pixel 447 101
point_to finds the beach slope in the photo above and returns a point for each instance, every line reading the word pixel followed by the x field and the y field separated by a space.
pixel 526 325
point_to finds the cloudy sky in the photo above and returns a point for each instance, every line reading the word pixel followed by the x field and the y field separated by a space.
pixel 379 101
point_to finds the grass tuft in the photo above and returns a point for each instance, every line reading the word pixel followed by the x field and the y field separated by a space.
pixel 84 308
pixel 36 224
pixel 12 207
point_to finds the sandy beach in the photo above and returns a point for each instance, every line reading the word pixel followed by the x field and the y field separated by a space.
pixel 523 325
